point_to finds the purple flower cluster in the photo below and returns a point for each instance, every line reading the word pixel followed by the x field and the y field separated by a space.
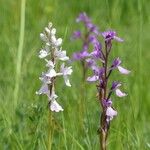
pixel 102 74
pixel 88 37
pixel 93 58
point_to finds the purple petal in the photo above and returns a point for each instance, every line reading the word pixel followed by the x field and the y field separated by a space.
pixel 76 35
pixel 97 51
pixel 76 56
pixel 93 28
pixel 107 102
pixel 116 63
pixel 85 47
pixel 90 62
pixel 110 35
pixel 115 85
pixel 80 55
pixel 83 17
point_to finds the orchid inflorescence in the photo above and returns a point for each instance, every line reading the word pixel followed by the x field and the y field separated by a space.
pixel 101 74
pixel 88 38
pixel 52 52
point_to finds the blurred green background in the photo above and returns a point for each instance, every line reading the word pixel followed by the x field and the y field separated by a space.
pixel 24 122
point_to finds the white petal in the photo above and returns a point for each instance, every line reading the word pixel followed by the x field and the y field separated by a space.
pixel 61 55
pixel 45 79
pixel 119 93
pixel 69 70
pixel 58 42
pixel 110 112
pixel 66 70
pixel 67 82
pixel 53 31
pixel 53 39
pixel 43 54
pixel 59 74
pixel 64 58
pixel 118 39
pixel 123 70
pixel 49 64
pixel 55 106
pixel 51 73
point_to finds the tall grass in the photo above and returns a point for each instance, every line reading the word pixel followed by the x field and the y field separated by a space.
pixel 20 69
pixel 19 53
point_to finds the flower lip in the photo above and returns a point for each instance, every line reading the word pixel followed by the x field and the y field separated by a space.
pixel 54 106
pixel 110 113
pixel 123 70
pixel 119 93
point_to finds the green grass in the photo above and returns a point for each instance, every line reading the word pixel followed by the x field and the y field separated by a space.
pixel 26 125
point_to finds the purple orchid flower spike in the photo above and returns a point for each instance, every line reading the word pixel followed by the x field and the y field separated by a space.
pixel 102 76
pixel 98 61
pixel 88 38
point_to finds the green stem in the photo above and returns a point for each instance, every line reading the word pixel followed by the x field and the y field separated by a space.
pixel 50 131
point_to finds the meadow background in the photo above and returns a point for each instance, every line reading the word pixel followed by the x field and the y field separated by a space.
pixel 24 115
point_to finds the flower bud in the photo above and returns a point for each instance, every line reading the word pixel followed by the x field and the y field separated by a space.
pixel 53 31
pixel 47 30
pixel 43 37
pixel 50 25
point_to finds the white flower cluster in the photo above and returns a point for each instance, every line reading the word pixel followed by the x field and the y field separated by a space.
pixel 52 52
